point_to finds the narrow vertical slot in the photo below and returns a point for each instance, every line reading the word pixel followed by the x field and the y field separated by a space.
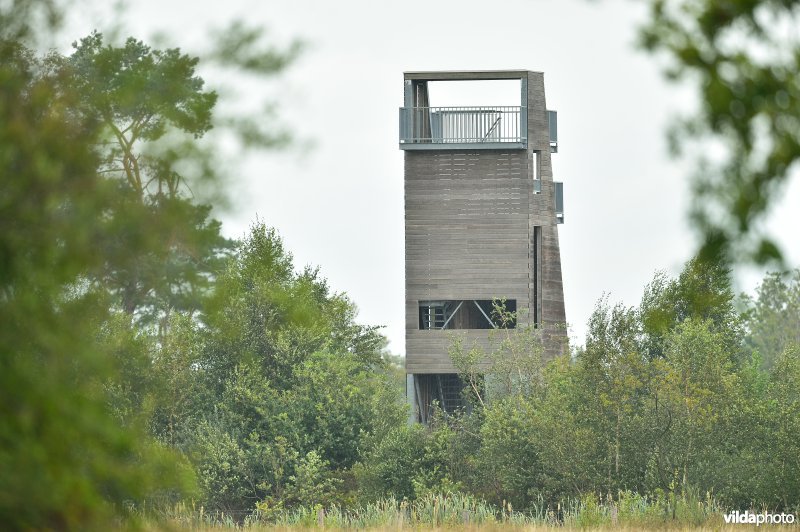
pixel 537 275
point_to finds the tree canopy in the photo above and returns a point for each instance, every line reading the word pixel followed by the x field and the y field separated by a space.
pixel 55 429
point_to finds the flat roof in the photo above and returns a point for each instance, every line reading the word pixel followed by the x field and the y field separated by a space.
pixel 466 75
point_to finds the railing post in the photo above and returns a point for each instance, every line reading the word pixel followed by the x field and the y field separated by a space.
pixel 523 115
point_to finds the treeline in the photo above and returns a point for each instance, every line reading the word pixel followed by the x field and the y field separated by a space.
pixel 272 395
pixel 146 361
pixel 692 394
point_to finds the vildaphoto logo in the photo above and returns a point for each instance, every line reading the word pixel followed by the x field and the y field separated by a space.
pixel 764 518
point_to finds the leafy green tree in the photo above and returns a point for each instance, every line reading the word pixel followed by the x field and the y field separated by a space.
pixel 150 107
pixel 508 463
pixel 741 449
pixel 784 393
pixel 696 379
pixel 281 369
pixel 410 461
pixel 222 469
pixel 312 483
pixel 702 291
pixel 573 454
pixel 131 351
pixel 177 394
pixel 338 403
pixel 99 157
pixel 772 318
pixel 511 366
pixel 277 441
pixel 262 310
pixel 615 373
pixel 65 461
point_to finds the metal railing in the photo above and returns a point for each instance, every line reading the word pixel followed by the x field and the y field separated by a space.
pixel 461 125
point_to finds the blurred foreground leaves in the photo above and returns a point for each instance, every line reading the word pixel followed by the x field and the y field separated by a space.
pixel 101 242
pixel 64 463
pixel 744 58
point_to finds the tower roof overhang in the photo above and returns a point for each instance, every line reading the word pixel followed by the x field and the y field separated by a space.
pixel 465 75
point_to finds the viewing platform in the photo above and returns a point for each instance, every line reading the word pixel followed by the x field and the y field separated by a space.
pixel 436 128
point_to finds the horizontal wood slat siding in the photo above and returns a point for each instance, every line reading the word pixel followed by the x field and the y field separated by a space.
pixel 428 347
pixel 467 234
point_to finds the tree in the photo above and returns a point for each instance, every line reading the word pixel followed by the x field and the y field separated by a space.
pixel 65 462
pixel 695 381
pixel 262 310
pixel 312 484
pixel 99 151
pixel 701 291
pixel 743 58
pixel 508 463
pixel 286 387
pixel 573 447
pixel 783 390
pixel 772 319
pixel 510 367
pixel 150 108
pixel 409 462
pixel 615 372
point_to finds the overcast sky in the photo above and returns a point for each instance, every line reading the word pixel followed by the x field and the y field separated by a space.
pixel 340 205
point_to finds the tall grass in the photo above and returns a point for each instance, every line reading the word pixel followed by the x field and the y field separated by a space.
pixel 456 510
pixel 627 509
pixel 432 510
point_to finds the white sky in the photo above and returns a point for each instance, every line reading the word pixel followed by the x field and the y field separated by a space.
pixel 340 205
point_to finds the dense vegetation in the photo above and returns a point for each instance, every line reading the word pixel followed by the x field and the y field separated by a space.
pixel 146 362
pixel 666 399
pixel 145 358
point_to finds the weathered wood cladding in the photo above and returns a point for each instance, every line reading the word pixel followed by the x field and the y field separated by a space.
pixel 542 214
pixel 470 219
pixel 428 347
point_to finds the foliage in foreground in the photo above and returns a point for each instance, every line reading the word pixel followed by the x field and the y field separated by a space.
pixel 743 58
pixel 55 427
pixel 102 243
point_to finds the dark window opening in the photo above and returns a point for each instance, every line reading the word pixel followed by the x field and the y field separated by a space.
pixel 445 391
pixel 468 314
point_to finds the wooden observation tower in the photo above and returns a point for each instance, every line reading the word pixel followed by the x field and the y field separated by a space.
pixel 481 225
